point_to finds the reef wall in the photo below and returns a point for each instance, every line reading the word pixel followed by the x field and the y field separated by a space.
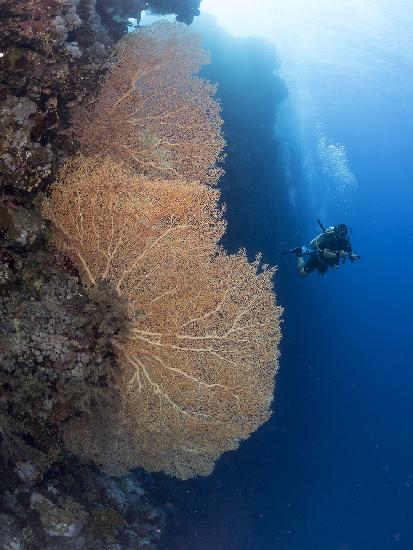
pixel 129 336
pixel 54 334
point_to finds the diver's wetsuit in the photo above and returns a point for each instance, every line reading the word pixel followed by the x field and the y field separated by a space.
pixel 333 243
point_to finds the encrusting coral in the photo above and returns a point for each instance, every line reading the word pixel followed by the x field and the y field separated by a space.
pixel 196 369
pixel 52 53
pixel 56 364
pixel 55 355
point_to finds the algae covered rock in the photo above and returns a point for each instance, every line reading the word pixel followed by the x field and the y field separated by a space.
pixel 53 52
pixel 19 225
pixel 65 519
pixel 24 162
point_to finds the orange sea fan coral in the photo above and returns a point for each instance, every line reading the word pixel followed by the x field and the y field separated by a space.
pixel 114 224
pixel 196 370
pixel 152 113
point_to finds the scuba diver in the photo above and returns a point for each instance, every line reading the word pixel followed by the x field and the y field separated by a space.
pixel 326 250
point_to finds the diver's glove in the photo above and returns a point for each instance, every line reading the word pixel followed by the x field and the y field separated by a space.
pixel 354 257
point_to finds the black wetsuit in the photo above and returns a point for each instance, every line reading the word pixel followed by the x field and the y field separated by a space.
pixel 332 242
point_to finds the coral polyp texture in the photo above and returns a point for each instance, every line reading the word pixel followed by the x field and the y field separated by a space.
pixel 153 113
pixel 114 224
pixel 196 368
pixel 202 362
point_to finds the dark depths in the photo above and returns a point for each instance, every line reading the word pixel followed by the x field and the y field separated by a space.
pixel 250 91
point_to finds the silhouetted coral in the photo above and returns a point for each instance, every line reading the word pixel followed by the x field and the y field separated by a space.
pixel 116 14
pixel 185 10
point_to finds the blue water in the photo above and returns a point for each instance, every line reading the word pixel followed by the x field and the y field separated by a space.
pixel 332 470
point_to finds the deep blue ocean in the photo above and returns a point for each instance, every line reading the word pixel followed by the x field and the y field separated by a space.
pixel 333 468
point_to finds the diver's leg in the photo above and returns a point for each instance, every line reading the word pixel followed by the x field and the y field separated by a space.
pixel 306 267
pixel 301 267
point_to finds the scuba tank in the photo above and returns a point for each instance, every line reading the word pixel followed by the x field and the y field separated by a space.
pixel 321 225
pixel 327 230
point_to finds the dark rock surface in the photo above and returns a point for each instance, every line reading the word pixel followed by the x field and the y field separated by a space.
pixel 56 359
pixel 55 363
pixel 76 507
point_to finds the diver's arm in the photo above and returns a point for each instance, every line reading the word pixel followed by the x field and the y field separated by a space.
pixel 331 255
pixel 315 243
pixel 349 253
